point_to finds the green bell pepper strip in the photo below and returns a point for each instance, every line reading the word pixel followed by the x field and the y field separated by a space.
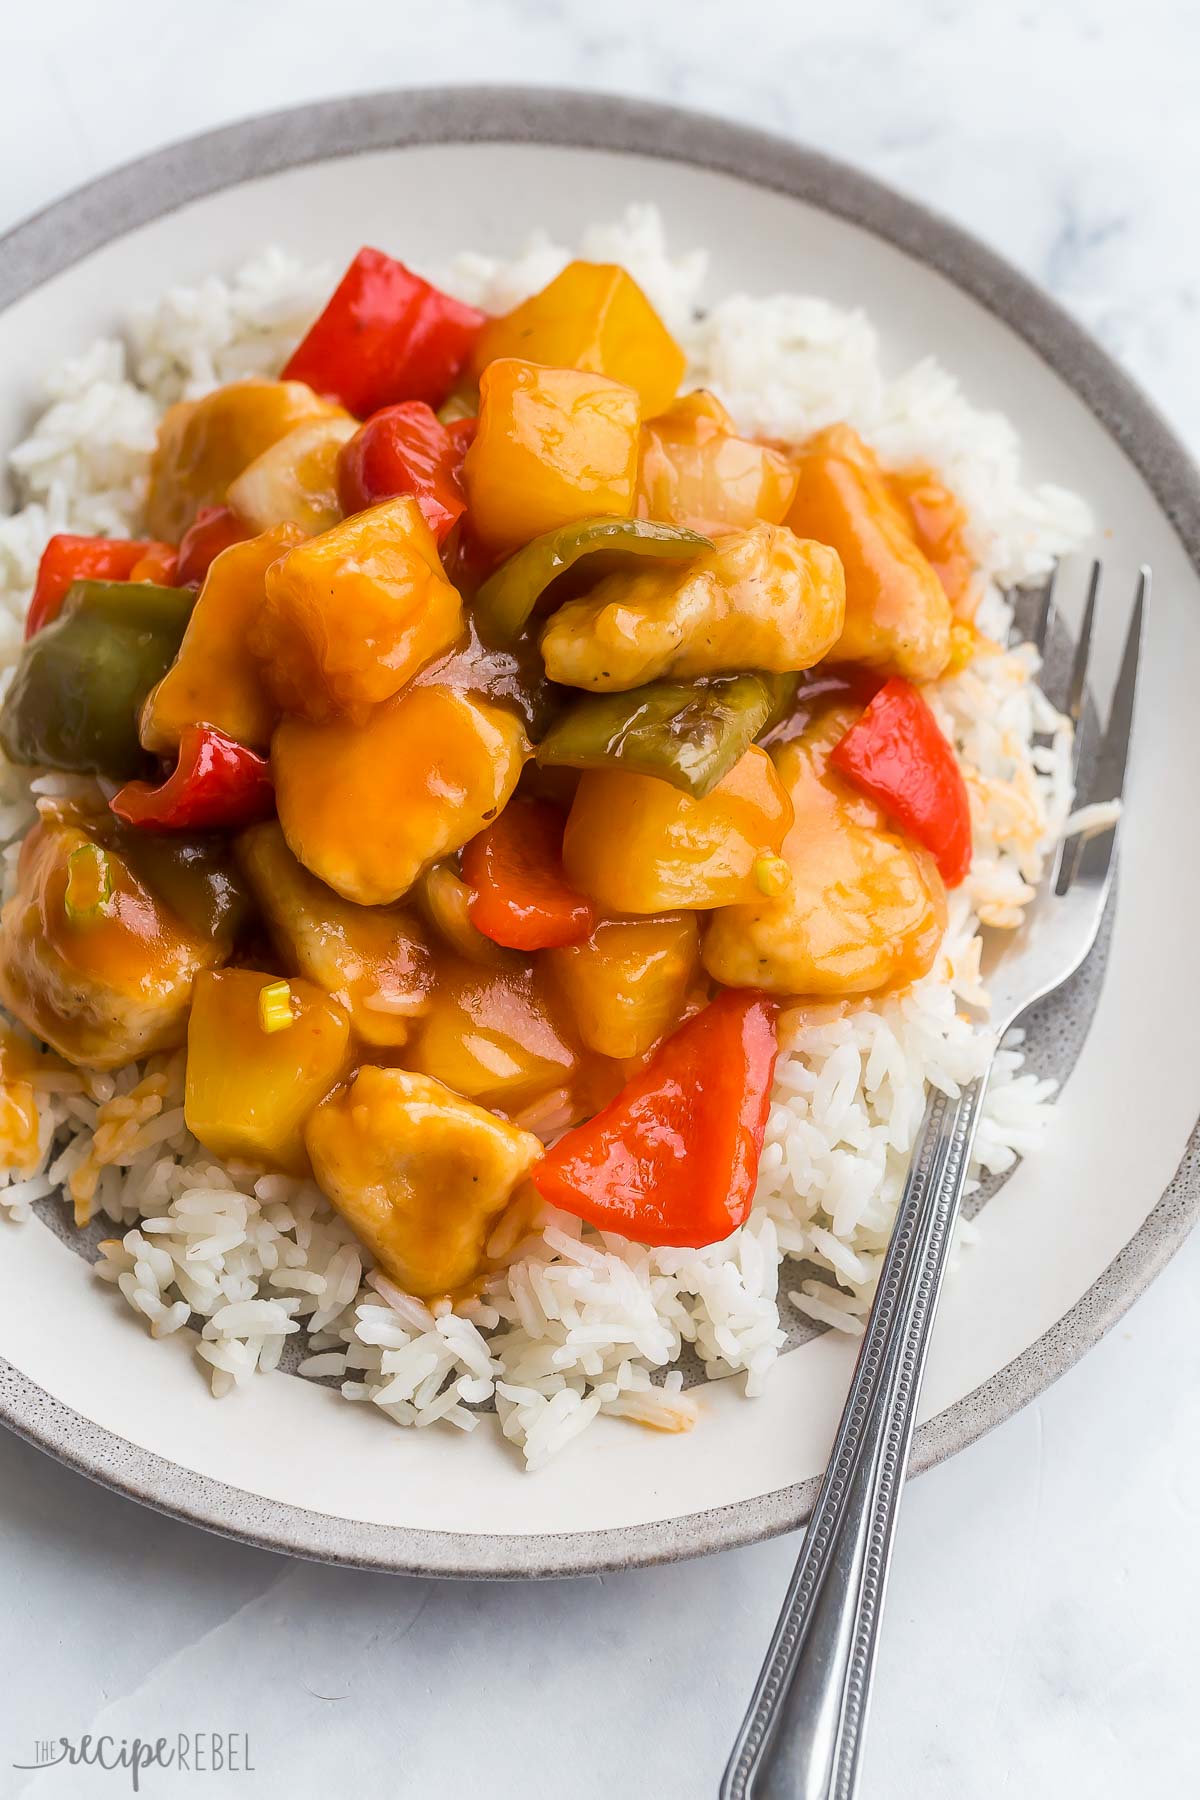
pixel 584 551
pixel 689 733
pixel 196 877
pixel 515 677
pixel 80 683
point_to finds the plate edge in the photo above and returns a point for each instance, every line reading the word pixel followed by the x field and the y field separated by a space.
pixel 153 185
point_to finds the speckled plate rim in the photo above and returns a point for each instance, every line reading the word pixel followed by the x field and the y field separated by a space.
pixel 159 183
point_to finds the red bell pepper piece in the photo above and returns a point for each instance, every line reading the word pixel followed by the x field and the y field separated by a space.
pixel 674 1158
pixel 385 335
pixel 899 755
pixel 212 530
pixel 405 449
pixel 217 785
pixel 521 897
pixel 67 559
pixel 461 433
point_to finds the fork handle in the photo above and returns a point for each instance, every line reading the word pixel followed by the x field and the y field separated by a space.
pixel 802 1736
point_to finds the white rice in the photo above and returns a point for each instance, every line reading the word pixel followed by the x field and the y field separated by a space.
pixel 579 1322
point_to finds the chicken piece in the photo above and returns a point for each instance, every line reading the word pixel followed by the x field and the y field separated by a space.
pixel 897 612
pixel 204 444
pixel 214 680
pixel 444 900
pixel 865 908
pixel 90 959
pixel 350 616
pixel 421 1174
pixel 367 807
pixel 696 471
pixel 253 1078
pixel 373 960
pixel 940 525
pixel 761 599
pixel 627 984
pixel 635 844
pixel 492 1034
pixel 294 481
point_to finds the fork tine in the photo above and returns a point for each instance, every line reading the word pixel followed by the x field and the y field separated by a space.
pixel 1077 686
pixel 1030 602
pixel 1108 782
pixel 1041 630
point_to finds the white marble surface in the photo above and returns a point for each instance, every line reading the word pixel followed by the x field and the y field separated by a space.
pixel 1041 1639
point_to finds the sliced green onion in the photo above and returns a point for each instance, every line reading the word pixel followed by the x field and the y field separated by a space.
pixel 275 1006
pixel 89 886
pixel 772 876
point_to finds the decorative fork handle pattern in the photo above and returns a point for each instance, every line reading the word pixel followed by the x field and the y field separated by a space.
pixel 802 1737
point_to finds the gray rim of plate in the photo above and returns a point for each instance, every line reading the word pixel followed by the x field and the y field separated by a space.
pixel 159 183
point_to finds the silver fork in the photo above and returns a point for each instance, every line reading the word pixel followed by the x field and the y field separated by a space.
pixel 802 1737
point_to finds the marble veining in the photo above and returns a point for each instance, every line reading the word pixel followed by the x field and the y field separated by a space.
pixel 1039 1638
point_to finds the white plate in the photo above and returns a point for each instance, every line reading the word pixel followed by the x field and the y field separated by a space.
pixel 290 1464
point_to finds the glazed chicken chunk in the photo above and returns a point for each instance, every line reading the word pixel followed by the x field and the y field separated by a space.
pixel 203 445
pixel 864 909
pixel 420 1173
pixel 92 961
pixel 761 599
pixel 374 960
pixel 368 807
pixel 897 614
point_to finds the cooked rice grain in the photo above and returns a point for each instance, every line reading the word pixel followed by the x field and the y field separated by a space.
pixel 578 1323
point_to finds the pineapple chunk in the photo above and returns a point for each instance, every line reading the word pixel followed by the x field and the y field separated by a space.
pixel 595 317
pixel 250 1090
pixel 553 446
pixel 489 1033
pixel 627 983
pixel 205 444
pixel 294 482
